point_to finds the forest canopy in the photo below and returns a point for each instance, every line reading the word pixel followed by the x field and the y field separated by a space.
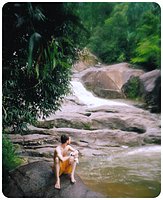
pixel 124 32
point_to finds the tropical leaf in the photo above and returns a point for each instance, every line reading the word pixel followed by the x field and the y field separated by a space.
pixel 39 15
pixel 35 13
pixel 37 70
pixel 34 41
pixel 54 63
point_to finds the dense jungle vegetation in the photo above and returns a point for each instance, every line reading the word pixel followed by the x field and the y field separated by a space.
pixel 124 32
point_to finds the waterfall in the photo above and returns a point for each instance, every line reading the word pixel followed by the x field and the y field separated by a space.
pixel 89 99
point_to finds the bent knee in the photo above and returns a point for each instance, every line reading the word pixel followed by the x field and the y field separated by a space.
pixel 71 159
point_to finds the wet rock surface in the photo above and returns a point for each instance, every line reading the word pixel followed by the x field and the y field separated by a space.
pixel 92 130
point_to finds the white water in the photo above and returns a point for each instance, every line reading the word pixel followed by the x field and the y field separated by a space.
pixel 89 99
pixel 148 150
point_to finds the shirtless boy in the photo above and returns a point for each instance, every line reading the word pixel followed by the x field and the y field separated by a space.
pixel 65 160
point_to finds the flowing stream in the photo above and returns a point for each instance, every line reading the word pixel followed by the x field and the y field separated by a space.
pixel 125 171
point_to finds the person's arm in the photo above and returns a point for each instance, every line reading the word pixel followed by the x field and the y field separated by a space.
pixel 62 158
pixel 71 148
pixel 74 151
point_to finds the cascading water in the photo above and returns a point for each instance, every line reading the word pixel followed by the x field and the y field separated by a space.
pixel 89 99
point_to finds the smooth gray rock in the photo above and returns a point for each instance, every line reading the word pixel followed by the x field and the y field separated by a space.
pixel 107 81
pixel 36 180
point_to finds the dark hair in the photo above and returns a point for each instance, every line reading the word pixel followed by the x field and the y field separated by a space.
pixel 64 138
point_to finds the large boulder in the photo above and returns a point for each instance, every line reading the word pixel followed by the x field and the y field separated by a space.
pixel 151 89
pixel 36 180
pixel 72 120
pixel 147 87
pixel 107 81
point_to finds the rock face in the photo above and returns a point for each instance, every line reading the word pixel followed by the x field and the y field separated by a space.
pixel 80 66
pixel 151 89
pixel 148 87
pixel 93 130
pixel 107 81
pixel 36 180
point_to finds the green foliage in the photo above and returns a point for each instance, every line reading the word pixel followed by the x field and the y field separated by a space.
pixel 97 12
pixel 9 158
pixel 132 88
pixel 87 126
pixel 124 32
pixel 148 50
pixel 39 48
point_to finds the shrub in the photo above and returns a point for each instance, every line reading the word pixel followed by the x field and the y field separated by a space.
pixel 132 88
pixel 9 158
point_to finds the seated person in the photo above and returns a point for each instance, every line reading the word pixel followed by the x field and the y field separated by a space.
pixel 65 160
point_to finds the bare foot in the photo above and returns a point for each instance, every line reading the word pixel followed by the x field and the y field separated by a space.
pixel 77 160
pixel 57 185
pixel 73 180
